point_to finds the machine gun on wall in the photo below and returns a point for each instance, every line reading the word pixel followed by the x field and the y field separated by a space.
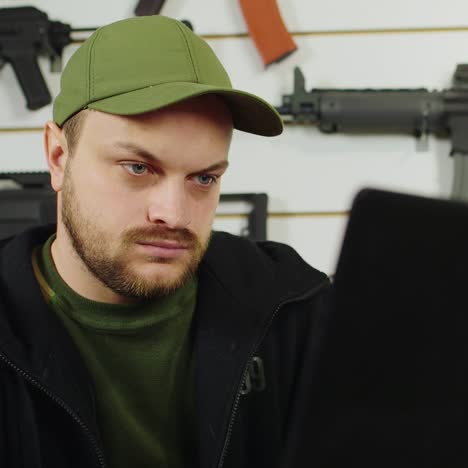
pixel 25 34
pixel 417 112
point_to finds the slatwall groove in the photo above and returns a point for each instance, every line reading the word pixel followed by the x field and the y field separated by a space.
pixel 286 215
pixel 338 32
pixel 21 130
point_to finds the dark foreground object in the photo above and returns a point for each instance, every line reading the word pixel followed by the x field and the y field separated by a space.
pixel 391 387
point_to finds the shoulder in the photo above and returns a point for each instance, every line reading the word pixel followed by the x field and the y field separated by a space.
pixel 242 250
pixel 260 264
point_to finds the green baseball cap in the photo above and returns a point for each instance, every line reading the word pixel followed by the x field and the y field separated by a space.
pixel 146 63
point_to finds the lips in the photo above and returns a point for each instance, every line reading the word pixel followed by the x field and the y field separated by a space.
pixel 163 249
pixel 166 244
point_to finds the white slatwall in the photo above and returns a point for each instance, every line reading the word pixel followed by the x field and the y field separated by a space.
pixel 310 178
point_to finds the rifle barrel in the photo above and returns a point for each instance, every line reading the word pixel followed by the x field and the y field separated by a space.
pixel 83 30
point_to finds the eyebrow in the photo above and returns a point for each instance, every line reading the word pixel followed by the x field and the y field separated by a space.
pixel 150 157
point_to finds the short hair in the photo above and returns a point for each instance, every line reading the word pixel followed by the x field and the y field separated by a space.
pixel 72 129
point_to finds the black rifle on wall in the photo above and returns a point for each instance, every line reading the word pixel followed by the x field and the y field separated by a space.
pixel 417 112
pixel 26 33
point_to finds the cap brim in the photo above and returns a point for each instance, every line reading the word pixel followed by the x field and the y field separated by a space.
pixel 249 112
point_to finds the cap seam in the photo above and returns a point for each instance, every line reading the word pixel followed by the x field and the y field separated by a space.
pixel 90 86
pixel 138 89
pixel 190 55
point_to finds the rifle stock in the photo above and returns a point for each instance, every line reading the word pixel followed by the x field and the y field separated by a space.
pixel 267 29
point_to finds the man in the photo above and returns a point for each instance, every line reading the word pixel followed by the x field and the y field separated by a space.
pixel 129 334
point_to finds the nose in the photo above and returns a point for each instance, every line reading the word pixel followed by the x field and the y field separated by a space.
pixel 169 205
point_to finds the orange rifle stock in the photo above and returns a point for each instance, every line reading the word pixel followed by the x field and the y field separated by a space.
pixel 267 29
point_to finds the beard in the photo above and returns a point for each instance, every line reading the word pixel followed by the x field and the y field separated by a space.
pixel 113 266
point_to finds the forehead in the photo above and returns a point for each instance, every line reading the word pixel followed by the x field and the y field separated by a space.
pixel 199 130
pixel 204 112
pixel 202 107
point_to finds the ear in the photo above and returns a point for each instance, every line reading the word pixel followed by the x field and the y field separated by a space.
pixel 56 150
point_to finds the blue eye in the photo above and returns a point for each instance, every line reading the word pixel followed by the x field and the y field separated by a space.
pixel 136 168
pixel 205 179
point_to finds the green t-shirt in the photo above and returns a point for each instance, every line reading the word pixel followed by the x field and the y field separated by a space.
pixel 140 359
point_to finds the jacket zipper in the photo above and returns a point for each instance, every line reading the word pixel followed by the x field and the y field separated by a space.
pixel 235 407
pixel 63 405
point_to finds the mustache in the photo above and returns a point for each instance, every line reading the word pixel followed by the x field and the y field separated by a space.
pixel 160 233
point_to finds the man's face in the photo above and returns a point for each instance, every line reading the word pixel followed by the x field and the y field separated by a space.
pixel 139 194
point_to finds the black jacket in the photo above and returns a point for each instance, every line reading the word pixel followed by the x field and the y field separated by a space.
pixel 256 330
